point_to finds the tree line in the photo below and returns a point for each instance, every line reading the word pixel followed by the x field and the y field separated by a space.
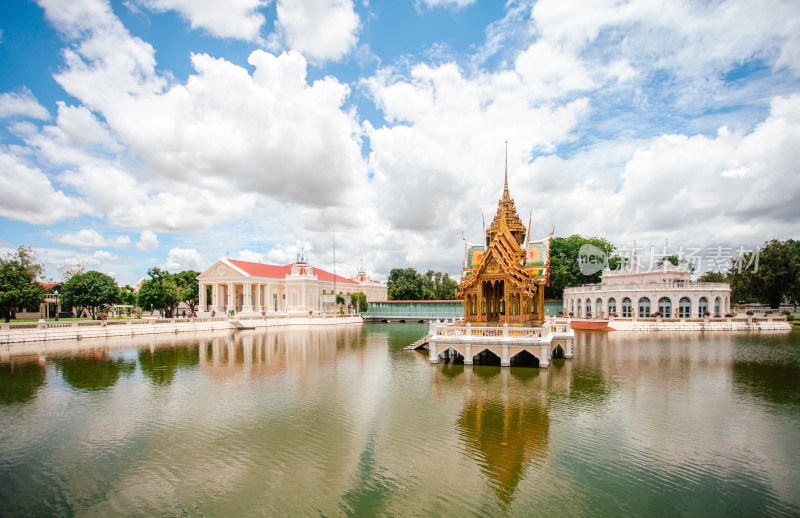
pixel 408 284
pixel 91 290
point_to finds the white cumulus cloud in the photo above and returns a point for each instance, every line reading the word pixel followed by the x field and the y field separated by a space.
pixel 148 240
pixel 320 29
pixel 90 238
pixel 22 103
pixel 238 19
pixel 179 259
pixel 27 194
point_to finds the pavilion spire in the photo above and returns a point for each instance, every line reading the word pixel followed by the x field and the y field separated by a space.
pixel 505 183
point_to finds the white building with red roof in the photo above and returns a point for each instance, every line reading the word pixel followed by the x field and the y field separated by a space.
pixel 246 287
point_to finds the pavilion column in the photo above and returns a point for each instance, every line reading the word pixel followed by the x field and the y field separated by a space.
pixel 201 295
pixel 230 294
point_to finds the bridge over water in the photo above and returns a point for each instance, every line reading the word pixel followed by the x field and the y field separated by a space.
pixel 426 310
pixel 413 310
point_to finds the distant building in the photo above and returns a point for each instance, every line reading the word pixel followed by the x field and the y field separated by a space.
pixel 636 291
pixel 49 308
pixel 246 287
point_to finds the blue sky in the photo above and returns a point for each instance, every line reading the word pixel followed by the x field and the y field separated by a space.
pixel 169 133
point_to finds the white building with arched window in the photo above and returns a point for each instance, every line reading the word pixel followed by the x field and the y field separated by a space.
pixel 638 292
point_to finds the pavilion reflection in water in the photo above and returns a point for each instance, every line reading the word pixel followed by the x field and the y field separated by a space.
pixel 504 425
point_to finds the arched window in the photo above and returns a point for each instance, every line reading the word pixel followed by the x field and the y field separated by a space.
pixel 644 307
pixel 572 306
pixel 665 306
pixel 578 314
pixel 702 307
pixel 716 306
pixel 588 307
pixel 626 307
pixel 612 306
pixel 685 307
pixel 598 307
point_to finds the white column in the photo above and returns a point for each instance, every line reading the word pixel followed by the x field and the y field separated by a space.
pixel 247 296
pixel 214 295
pixel 230 302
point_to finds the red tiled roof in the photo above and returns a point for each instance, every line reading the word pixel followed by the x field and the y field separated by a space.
pixel 271 271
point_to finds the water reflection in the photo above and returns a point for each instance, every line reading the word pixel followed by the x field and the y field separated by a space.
pixel 768 368
pixel 20 379
pixel 93 370
pixel 504 425
pixel 160 364
pixel 257 353
pixel 345 421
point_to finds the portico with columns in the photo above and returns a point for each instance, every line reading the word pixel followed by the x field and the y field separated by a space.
pixel 244 287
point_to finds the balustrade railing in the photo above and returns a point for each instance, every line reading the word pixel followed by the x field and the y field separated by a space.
pixel 550 327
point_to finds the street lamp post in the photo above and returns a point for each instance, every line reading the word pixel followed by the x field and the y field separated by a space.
pixel 56 305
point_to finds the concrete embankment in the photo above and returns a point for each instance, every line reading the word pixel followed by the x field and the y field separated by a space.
pixel 685 324
pixel 26 332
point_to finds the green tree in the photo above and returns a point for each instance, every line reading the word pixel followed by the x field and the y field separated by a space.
pixel 159 292
pixel 408 284
pixel 91 290
pixel 564 268
pixel 359 301
pixel 437 286
pixel 18 282
pixel 126 295
pixel 188 288
pixel 768 275
pixel 446 289
pixel 711 276
pixel 405 284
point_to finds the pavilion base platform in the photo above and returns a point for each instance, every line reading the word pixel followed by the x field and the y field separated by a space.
pixel 459 342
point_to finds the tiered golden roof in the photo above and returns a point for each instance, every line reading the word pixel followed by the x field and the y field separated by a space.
pixel 503 279
pixel 506 213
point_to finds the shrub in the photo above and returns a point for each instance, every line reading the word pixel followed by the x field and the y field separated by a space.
pixel 571 314
pixel 768 312
pixel 789 317
pixel 749 312
pixel 656 314
pixel 728 315
pixel 706 314
pixel 588 314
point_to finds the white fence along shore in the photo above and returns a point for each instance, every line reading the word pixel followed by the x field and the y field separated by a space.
pixel 45 331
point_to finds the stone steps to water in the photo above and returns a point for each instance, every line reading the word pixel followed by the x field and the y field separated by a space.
pixel 422 342
pixel 238 325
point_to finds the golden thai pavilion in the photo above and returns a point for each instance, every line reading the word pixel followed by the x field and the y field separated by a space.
pixel 503 279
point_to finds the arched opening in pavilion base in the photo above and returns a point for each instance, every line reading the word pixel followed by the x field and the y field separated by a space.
pixel 558 353
pixel 451 356
pixel 486 357
pixel 524 359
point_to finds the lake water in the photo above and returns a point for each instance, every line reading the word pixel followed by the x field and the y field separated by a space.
pixel 345 422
